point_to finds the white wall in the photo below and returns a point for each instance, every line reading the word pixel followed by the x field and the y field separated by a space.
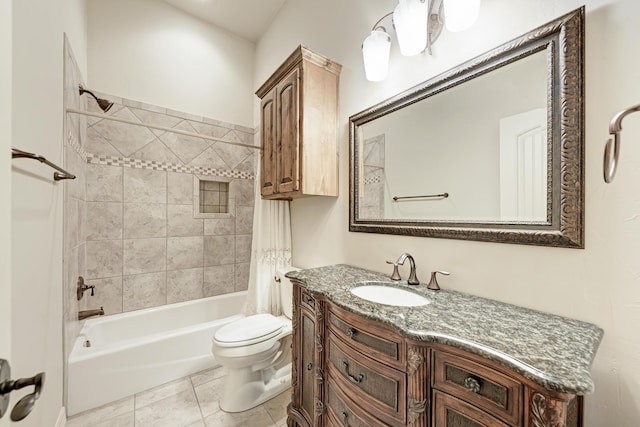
pixel 36 203
pixel 5 183
pixel 149 51
pixel 600 284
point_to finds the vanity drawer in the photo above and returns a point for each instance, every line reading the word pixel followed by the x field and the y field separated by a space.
pixel 377 388
pixel 368 337
pixel 451 412
pixel 480 384
pixel 343 412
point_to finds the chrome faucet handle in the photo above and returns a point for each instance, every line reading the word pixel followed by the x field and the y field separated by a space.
pixel 433 283
pixel 396 274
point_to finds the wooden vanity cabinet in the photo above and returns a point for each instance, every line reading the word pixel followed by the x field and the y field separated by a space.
pixel 352 371
pixel 307 347
pixel 298 127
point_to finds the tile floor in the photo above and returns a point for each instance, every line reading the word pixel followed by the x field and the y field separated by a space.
pixel 188 402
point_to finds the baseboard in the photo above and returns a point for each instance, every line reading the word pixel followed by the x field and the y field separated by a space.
pixel 62 418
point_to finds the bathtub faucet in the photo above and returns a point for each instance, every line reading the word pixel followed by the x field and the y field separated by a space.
pixel 83 314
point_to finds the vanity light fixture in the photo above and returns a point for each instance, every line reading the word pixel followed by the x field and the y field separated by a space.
pixel 417 23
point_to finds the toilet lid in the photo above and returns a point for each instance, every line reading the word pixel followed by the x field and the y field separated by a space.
pixel 250 330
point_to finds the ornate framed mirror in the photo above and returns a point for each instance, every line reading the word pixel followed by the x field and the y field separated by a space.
pixel 492 150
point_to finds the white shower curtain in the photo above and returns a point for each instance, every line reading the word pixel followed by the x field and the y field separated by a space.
pixel 270 251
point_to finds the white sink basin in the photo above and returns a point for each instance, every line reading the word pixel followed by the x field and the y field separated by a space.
pixel 389 295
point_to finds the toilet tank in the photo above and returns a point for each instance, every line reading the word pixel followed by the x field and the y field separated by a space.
pixel 286 291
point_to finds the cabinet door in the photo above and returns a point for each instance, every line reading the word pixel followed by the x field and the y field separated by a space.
pixel 287 133
pixel 268 136
pixel 307 364
pixel 449 411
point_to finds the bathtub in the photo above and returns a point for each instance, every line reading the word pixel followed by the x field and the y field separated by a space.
pixel 135 351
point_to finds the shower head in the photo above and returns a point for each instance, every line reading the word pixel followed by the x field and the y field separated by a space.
pixel 104 104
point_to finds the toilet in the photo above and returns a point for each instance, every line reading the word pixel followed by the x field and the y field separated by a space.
pixel 256 352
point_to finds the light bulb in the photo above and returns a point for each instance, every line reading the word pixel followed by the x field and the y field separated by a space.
pixel 459 15
pixel 410 21
pixel 375 54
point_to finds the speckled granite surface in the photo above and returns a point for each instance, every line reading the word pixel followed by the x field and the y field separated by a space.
pixel 553 351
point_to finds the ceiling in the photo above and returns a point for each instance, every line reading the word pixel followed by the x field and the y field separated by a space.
pixel 248 19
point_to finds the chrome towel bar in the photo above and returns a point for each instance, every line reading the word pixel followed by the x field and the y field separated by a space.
pixel 428 196
pixel 612 147
pixel 57 176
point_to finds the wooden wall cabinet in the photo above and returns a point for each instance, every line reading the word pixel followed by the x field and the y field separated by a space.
pixel 299 128
pixel 352 371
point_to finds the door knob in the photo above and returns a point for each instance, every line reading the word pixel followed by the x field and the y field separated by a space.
pixel 24 405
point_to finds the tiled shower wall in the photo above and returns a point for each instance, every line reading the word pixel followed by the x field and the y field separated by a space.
pixel 147 244
pixel 372 201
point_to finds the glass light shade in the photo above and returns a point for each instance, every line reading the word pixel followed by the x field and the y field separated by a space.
pixel 410 21
pixel 459 15
pixel 375 54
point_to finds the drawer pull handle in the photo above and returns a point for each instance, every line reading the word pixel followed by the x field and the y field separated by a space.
pixel 350 332
pixel 307 299
pixel 472 384
pixel 353 379
pixel 345 421
pixel 309 366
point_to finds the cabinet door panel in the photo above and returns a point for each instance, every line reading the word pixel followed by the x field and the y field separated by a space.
pixel 307 363
pixel 268 153
pixel 288 153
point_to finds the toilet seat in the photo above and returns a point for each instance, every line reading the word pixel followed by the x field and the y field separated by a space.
pixel 248 331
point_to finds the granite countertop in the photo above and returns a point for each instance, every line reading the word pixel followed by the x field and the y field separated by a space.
pixel 553 351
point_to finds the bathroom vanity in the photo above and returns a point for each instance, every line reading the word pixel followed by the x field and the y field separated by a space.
pixel 460 360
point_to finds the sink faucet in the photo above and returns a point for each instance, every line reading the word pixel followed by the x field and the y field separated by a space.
pixel 413 279
pixel 83 314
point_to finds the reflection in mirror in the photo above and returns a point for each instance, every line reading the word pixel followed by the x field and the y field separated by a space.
pixel 491 150
pixel 493 168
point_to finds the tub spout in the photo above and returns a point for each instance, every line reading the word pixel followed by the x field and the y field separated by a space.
pixel 83 314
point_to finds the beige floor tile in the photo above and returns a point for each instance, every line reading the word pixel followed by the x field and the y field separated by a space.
pixel 163 391
pixel 277 407
pixel 124 420
pixel 106 412
pixel 256 417
pixel 208 375
pixel 209 395
pixel 199 423
pixel 178 410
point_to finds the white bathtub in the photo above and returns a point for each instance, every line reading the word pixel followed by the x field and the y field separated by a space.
pixel 132 352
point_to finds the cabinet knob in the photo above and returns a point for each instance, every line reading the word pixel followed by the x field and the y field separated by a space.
pixel 472 384
pixel 309 366
pixel 345 420
pixel 350 332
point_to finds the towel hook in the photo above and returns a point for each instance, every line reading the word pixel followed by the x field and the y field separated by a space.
pixel 612 147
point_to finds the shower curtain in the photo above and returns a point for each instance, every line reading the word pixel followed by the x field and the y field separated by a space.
pixel 270 251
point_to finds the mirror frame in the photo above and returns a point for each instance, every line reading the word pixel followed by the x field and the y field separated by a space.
pixel 563 41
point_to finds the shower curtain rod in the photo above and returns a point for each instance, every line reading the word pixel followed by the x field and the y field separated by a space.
pixel 166 129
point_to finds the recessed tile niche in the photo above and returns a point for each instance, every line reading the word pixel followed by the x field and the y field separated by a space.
pixel 212 197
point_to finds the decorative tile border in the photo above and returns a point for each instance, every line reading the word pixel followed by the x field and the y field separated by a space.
pixel 170 167
pixel 73 142
pixel 372 180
